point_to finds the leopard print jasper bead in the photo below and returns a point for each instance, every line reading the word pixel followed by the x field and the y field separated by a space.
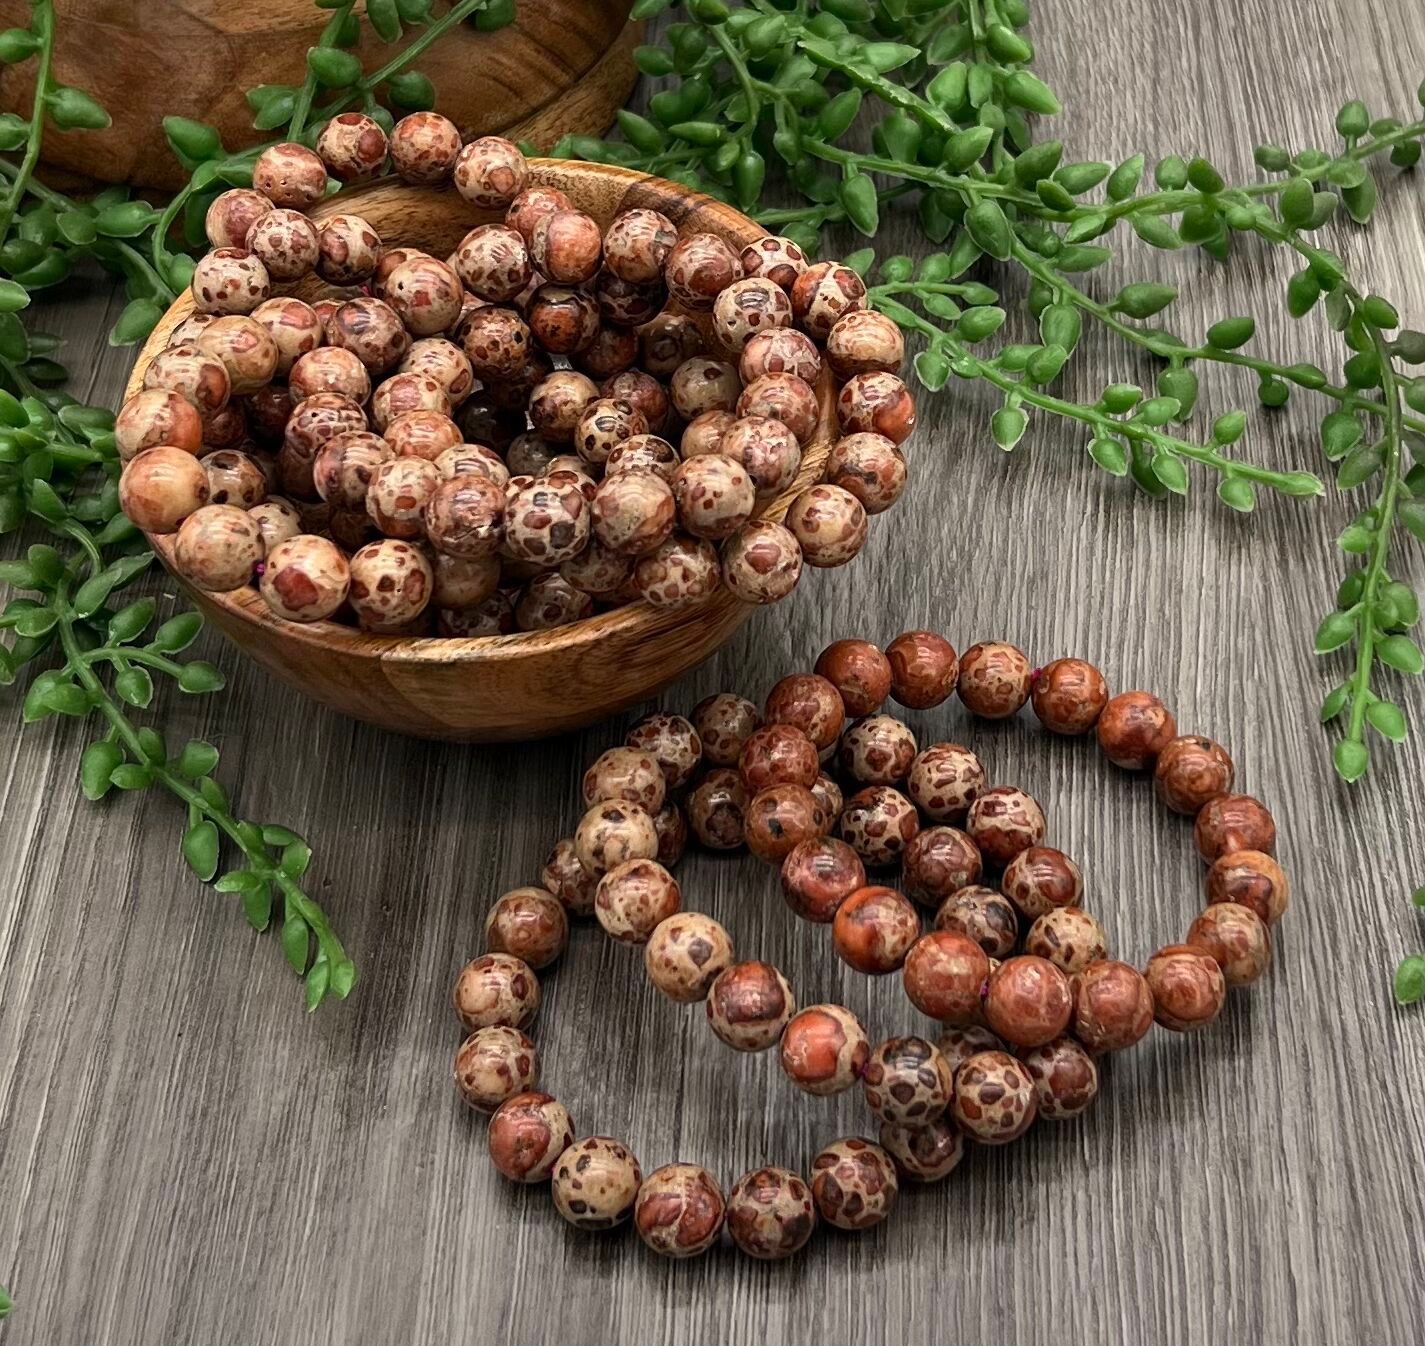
pixel 296 329
pixel 645 393
pixel 824 1049
pixel 986 916
pixel 526 210
pixel 1133 729
pixel 1065 1078
pixel 157 416
pixel 613 832
pixel 232 215
pixel 761 562
pixel 864 342
pixel 442 360
pixel 1039 879
pixel 702 384
pixel 229 280
pixel 527 1135
pixel 829 795
pixel 925 1153
pixel 780 817
pixel 1187 985
pixel 371 331
pixel 766 450
pixel 291 175
pixel 644 453
pixel 352 146
pixel 780 350
pixel 822 293
pixel 390 584
pixel 629 773
pixel 878 823
pixel 829 524
pixel 808 702
pixel 859 672
pixel 877 750
pixel 924 669
pixel 1004 821
pixel 958 1045
pixel 1251 879
pixel 873 930
pixel 944 780
pixel 940 861
pixel 496 342
pixel 747 307
pixel 1068 937
pixel 871 467
pixel 876 403
pixel 427 294
pixel 748 1006
pixel 566 247
pixel 1029 1001
pixel 679 1211
pixel 348 249
pixel 633 513
pixel 329 369
pixel 430 434
pixel 625 306
pixel 277 520
pixel 853 1183
pixel 784 398
pixel 1069 695
pixel 568 880
pixel 672 828
pixel 549 600
pixel 778 259
pixel 611 351
pixel 597 571
pixel 423 148
pixel 528 923
pixel 994 680
pixel 305 578
pixel 666 341
pixel 672 742
pixel 558 401
pixel 634 897
pixel 1234 823
pixel 545 523
pixel 945 971
pixel 637 245
pixel 319 418
pixel 343 467
pixel 603 425
pixel 724 721
pixel 462 582
pixel 907 1081
pixel 398 494
pixel 217 547
pixel 494 1064
pixel 818 875
pixel 595 1183
pixel 490 172
pixel 495 988
pixel 1113 1006
pixel 246 349
pixel 685 953
pixel 714 495
pixel 493 616
pixel 493 262
pixel 699 268
pixel 770 1214
pixel 995 1099
pixel 1237 939
pixel 1191 770
pixel 776 754
pixel 234 479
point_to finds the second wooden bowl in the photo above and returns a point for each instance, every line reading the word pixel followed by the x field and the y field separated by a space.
pixel 500 687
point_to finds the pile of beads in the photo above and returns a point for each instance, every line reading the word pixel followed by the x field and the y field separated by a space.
pixel 1016 973
pixel 485 443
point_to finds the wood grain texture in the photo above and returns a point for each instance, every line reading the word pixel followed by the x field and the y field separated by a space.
pixel 185 1157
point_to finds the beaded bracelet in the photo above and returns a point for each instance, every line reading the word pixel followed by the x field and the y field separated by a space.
pixel 1023 1021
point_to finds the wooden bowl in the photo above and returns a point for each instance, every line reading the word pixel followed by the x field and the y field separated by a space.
pixel 561 66
pixel 499 687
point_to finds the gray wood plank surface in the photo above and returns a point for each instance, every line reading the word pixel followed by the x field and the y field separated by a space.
pixel 186 1157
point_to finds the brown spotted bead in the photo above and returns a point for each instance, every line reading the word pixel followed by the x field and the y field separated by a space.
pixel 634 897
pixel 462 582
pixel 828 794
pixel 824 1049
pixel 566 247
pixel 944 780
pixel 246 349
pixel 637 245
pixel 748 1006
pixel 296 329
pixel 644 453
pixel 613 832
pixel 217 547
pixel 1251 879
pixel 352 146
pixel 672 829
pixel 878 404
pixel 398 493
pixel 390 584
pixel 879 823
pixel 924 669
pixel 699 268
pixel 348 250
pixel 1238 940
pixel 527 1135
pixel 229 280
pixel 305 578
pixel 766 450
pixel 864 342
pixel 558 401
pixel 495 989
pixel 1234 823
pixel 776 754
pixel 371 331
pixel 1003 821
pixel 986 916
pixel 672 742
pixel 779 818
pixel 1069 695
pixel 633 513
pixel 402 394
pixel 493 262
pixel 548 601
pixel 1113 1006
pixel 945 972
pixel 568 880
pixel 277 521
pixel 528 923
pixel 1133 729
pixel 703 384
pixel 829 523
pixel 878 750
pixel 995 1099
pixel 938 862
pixel 1187 985
pixel 442 360
pixel 329 369
pixel 232 214
pixel 994 680
pixel 1191 770
pixel 603 425
pixel 427 294
pixel 595 1182
pixel 747 307
pixel 495 1064
pixel 874 929
pixel 1068 937
pixel 629 773
pixel 818 875
pixel 157 416
pixel 778 259
pixel 1039 879
pixel 854 1184
pixel 822 294
pixel 546 524
pixel 423 148
pixel 714 494
pixel 807 702
pixel 496 342
pixel 770 1214
pixel 490 172
pixel 1065 1078
pixel 1029 1001
pixel 234 479
pixel 925 1153
pixel 319 418
pixel 679 1211
pixel 704 434
pixel 784 398
pixel 717 808
pixel 291 175
pixel 666 341
pixel 465 517
pixel 494 616
pixel 685 953
pixel 907 1081
pixel 724 722
pixel 859 672
pixel 957 1045
pixel 871 467
pixel 597 571
pixel 780 350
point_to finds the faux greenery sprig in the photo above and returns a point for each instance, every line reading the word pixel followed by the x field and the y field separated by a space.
pixel 1410 975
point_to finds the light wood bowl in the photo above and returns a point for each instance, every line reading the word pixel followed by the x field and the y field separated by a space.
pixel 499 687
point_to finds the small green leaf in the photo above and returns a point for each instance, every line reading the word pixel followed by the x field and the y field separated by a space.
pixel 197 759
pixel 1007 425
pixel 296 856
pixel 333 69
pixel 1231 333
pixel 132 776
pixel 1335 702
pixel 1144 298
pixel 1409 984
pixel 1237 493
pixel 1169 469
pixel 177 633
pixel 129 623
pixel 1110 455
pixel 135 686
pixel 1401 653
pixel 1388 720
pixel 96 768
pixel 74 110
pixel 932 369
pixel 200 676
pixel 296 942
pixel 257 904
pixel 316 981
pixel 1350 759
pixel 1360 465
pixel 1335 631
pixel 986 223
pixel 200 849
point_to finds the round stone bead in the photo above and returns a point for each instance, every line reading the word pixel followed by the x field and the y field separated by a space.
pixel 612 833
pixel 1237 938
pixel 305 578
pixel 986 916
pixel 1252 879
pixel 924 668
pixel 717 810
pixel 924 1153
pixel 494 1064
pixel 782 400
pixel 944 780
pixel 398 493
pixel 423 147
pixel 391 584
pixel 672 742
pixel 1133 729
pixel 879 823
pixel 1068 696
pixel 1187 985
pixel 907 1081
pixel 1065 1078
pixel 595 1183
pixel 1004 821
pixel 864 342
pixel 747 307
pixel 1113 1007
pixel 633 512
pixel 489 173
pixel 853 1183
pixel 626 773
pixel 807 702
pixel 780 817
pixel 783 350
pixel 685 954
pixel 197 378
pixel 679 1211
pixel 824 1049
pixel 157 416
pixel 958 1045
pixel 994 680
pixel 778 754
pixel 870 467
pixel 1068 937
pixel 1191 770
pixel 218 547
pixel 495 989
pixel 1040 879
pixel 530 206
pixel 637 244
pixel 679 572
pixel 699 268
pixel 878 750
pixel 874 929
pixel 672 828
pixel 568 880
pixel 778 259
pixel 822 294
pixel 995 1100
pixel 714 494
pixel 770 1213
pixel 761 562
pixel 945 973
pixel 161 487
pixel 527 1135
pixel 291 175
pixel 829 524
pixel 1028 1002
pixel 634 897
pixel 528 923
pixel 278 522
pixel 748 1006
pixel 232 215
pixel 703 435
pixel 1234 823
pixel 859 672
pixel 876 403
pixel 940 861
pixel 229 280
pixel 818 875
pixel 829 796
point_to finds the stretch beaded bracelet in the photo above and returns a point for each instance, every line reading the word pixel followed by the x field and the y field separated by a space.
pixel 1023 1018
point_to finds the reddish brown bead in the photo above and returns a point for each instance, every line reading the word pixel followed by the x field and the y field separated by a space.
pixel 749 1005
pixel 1029 1001
pixel 924 669
pixel 1237 939
pixel 779 818
pixel 770 1213
pixel 907 1081
pixel 995 1100
pixel 1068 937
pixel 986 916
pixel 634 897
pixel 945 973
pixel 1065 1078
pixel 822 293
pixel 924 1153
pixel 672 742
pixel 717 808
pixel 527 1135
pixel 810 703
pixel 1113 1007
pixel 1234 823
pixel 528 923
pixel 877 750
pixel 1069 695
pixel 829 796
pixel 1134 728
pixel 818 875
pixel 1190 771
pixel 724 721
pixel 671 825
pixel 1252 879
pixel 853 1183
pixel 878 823
pixel 1039 879
pixel 874 929
pixel 568 880
pixel 778 754
pixel 938 862
pixel 699 268
pixel 994 680
pixel 860 672
pixel 824 1049
pixel 679 1211
pixel 1004 821
pixel 1187 985
pixel 945 780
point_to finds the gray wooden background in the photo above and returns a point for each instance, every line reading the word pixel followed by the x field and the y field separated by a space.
pixel 186 1157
